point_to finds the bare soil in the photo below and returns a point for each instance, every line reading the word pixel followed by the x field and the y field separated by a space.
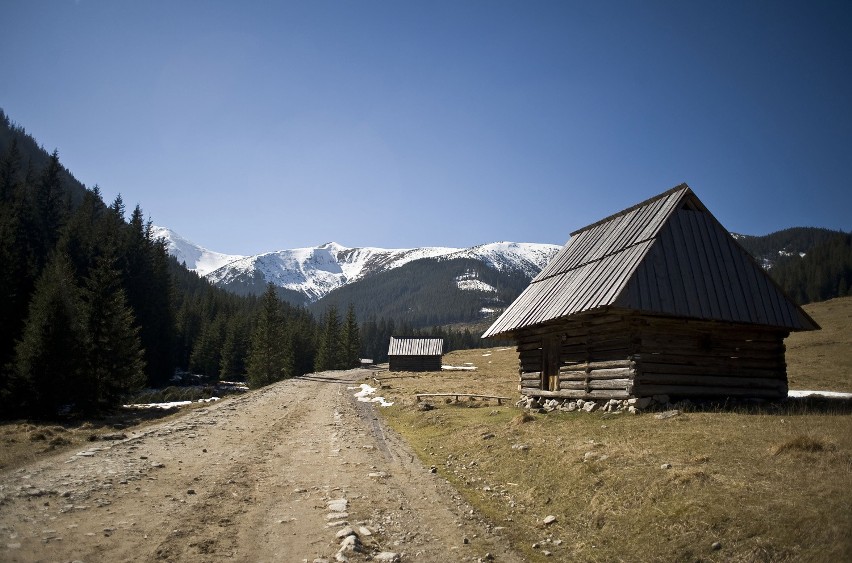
pixel 250 478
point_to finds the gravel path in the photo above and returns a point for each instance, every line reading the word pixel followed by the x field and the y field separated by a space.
pixel 288 473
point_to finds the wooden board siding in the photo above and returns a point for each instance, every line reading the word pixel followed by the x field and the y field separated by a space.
pixel 414 363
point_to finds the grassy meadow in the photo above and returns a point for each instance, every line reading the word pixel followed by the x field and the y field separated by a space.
pixel 758 483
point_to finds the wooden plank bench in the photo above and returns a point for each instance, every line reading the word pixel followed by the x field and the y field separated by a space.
pixel 500 400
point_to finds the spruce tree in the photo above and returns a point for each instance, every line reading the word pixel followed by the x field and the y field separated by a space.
pixel 51 206
pixel 114 353
pixel 235 348
pixel 330 347
pixel 206 356
pixel 271 355
pixel 351 340
pixel 50 358
pixel 149 291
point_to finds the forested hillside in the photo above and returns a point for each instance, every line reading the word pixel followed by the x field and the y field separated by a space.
pixel 430 292
pixel 93 308
pixel 810 264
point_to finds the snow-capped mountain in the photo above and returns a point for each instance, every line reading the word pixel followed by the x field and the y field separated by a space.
pixel 527 257
pixel 319 270
pixel 315 272
pixel 194 257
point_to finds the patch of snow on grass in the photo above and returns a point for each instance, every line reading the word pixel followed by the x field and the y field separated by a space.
pixel 364 395
pixel 829 394
pixel 458 368
pixel 167 406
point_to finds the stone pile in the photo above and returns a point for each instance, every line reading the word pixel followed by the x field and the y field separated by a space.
pixel 632 405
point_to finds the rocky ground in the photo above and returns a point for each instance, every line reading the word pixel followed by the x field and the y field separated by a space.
pixel 297 471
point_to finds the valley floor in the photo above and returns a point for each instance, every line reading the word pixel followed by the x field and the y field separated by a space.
pixel 271 475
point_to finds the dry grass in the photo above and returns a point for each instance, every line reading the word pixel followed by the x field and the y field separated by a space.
pixel 822 359
pixel 23 442
pixel 767 484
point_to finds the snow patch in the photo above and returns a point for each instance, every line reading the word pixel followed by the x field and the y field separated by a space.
pixel 475 285
pixel 364 395
pixel 167 406
pixel 827 394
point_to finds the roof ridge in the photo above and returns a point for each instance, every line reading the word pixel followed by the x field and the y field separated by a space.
pixel 680 187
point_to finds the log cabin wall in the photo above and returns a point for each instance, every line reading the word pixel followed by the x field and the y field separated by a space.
pixel 708 359
pixel 594 359
pixel 617 356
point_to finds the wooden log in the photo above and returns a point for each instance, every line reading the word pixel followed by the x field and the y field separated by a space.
pixel 744 358
pixel 529 346
pixel 596 384
pixel 640 390
pixel 583 376
pixel 711 368
pixel 687 380
pixel 597 365
pixel 675 349
pixel 578 394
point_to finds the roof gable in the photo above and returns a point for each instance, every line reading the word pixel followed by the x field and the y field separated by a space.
pixel 416 346
pixel 667 255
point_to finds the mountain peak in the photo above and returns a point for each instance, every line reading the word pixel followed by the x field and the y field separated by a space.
pixel 196 258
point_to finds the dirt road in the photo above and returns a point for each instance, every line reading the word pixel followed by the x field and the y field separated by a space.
pixel 272 475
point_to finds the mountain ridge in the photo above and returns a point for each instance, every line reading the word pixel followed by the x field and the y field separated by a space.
pixel 314 272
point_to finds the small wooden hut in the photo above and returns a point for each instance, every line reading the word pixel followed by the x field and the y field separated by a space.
pixel 415 354
pixel 658 299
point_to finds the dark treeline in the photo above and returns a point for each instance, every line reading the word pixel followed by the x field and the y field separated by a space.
pixel 823 273
pixel 810 264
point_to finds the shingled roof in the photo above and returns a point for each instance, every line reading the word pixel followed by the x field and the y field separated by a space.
pixel 665 256
pixel 416 346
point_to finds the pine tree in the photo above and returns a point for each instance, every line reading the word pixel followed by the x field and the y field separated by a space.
pixel 17 257
pixel 149 291
pixel 114 353
pixel 351 340
pixel 50 357
pixel 235 348
pixel 271 355
pixel 206 356
pixel 51 206
pixel 330 346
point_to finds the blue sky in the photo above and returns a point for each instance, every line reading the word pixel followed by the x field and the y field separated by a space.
pixel 255 126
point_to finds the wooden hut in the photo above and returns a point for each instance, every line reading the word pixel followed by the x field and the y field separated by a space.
pixel 658 299
pixel 415 354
